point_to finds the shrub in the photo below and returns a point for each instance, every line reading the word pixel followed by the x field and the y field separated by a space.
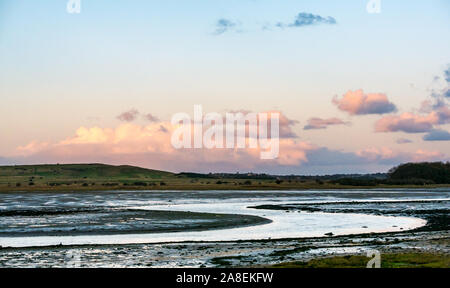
pixel 320 182
pixel 140 184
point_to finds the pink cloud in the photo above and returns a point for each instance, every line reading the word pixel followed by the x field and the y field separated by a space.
pixel 424 155
pixel 319 123
pixel 413 123
pixel 31 148
pixel 358 103
pixel 406 122
pixel 376 153
pixel 150 146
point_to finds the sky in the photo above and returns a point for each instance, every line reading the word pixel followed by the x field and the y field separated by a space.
pixel 358 92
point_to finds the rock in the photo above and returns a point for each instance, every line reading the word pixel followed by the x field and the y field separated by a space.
pixel 329 234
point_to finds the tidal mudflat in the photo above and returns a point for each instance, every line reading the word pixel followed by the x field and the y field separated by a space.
pixel 215 228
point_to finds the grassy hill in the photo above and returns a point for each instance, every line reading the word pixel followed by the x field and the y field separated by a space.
pixel 83 175
pixel 82 170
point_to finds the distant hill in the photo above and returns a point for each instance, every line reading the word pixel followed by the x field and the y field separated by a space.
pixel 82 170
pixel 434 173
pixel 79 176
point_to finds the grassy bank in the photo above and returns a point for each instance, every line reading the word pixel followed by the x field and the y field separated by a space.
pixel 390 260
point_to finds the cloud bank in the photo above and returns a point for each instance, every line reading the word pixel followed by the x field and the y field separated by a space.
pixel 149 146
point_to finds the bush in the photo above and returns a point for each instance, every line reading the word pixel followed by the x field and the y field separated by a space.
pixel 140 184
pixel 110 184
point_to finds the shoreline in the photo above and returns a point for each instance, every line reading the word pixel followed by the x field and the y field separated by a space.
pixel 169 188
pixel 275 240
pixel 433 238
pixel 239 253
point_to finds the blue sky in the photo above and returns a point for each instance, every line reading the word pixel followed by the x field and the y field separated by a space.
pixel 61 71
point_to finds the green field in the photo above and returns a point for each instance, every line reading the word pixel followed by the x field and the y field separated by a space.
pixel 79 177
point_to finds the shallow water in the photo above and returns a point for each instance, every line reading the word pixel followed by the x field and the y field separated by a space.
pixel 284 224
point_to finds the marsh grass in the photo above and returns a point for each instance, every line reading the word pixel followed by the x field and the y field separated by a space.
pixel 390 260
